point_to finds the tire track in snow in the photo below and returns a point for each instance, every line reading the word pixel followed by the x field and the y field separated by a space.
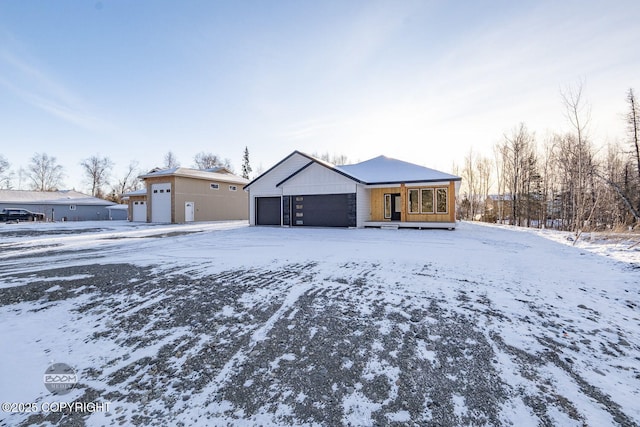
pixel 259 335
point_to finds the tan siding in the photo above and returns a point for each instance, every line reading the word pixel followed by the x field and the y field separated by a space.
pixel 210 205
pixel 377 204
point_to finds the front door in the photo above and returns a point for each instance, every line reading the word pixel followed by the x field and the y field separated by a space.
pixel 392 206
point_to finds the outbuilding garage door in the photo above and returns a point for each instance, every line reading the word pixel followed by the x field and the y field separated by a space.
pixel 139 211
pixel 326 210
pixel 161 202
pixel 267 210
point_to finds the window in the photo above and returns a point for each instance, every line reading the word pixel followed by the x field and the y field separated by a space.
pixel 299 206
pixel 168 190
pixel 427 200
pixel 155 191
pixel 413 201
pixel 441 200
pixel 299 214
pixel 233 188
pixel 214 186
pixel 72 207
pixel 299 198
pixel 387 206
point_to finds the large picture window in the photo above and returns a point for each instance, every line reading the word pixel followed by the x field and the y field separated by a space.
pixel 441 200
pixel 414 203
pixel 427 200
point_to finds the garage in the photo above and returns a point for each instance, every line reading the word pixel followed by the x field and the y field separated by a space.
pixel 161 202
pixel 267 210
pixel 324 210
pixel 139 213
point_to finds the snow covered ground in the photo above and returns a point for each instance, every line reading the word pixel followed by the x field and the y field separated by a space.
pixel 223 324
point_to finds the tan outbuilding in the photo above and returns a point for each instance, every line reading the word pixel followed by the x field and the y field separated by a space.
pixel 180 195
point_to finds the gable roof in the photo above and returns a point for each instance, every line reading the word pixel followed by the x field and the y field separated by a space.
pixel 379 170
pixel 61 197
pixel 197 174
pixel 385 170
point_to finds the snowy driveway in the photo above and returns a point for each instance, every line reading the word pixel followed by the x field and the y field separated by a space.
pixel 217 324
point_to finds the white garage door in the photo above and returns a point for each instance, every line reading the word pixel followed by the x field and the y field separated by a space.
pixel 139 213
pixel 161 202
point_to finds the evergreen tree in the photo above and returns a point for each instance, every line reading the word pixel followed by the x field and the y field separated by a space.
pixel 246 167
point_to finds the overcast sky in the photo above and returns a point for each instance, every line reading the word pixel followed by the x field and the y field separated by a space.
pixel 422 81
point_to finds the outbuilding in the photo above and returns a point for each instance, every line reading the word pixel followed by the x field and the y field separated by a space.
pixel 179 195
pixel 302 190
pixel 63 205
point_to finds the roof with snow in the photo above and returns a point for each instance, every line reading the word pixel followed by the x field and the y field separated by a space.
pixel 385 170
pixel 61 197
pixel 379 170
pixel 140 192
pixel 222 174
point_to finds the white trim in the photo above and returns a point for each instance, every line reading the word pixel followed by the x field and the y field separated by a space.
pixel 382 186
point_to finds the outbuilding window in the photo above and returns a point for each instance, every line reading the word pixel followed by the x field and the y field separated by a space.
pixel 72 207
pixel 214 186
pixel 233 188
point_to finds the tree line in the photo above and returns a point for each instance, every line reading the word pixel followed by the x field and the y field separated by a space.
pixel 564 182
pixel 44 173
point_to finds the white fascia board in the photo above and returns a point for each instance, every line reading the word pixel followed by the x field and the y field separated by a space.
pixel 410 184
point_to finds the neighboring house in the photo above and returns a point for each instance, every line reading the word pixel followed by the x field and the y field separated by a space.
pixel 64 205
pixel 301 190
pixel 181 195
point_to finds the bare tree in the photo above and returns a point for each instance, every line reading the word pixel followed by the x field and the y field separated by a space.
pixel 484 166
pixel 170 160
pixel 5 173
pixel 97 170
pixel 127 183
pixel 633 123
pixel 518 167
pixel 578 151
pixel 336 159
pixel 204 160
pixel 44 172
pixel 470 183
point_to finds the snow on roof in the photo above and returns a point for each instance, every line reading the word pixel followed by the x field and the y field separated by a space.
pixel 61 197
pixel 140 192
pixel 198 174
pixel 118 207
pixel 383 170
